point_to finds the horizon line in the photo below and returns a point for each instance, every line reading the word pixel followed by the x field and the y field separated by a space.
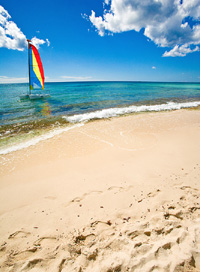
pixel 84 81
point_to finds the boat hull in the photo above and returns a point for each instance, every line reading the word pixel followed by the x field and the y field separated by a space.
pixel 34 96
pixel 38 96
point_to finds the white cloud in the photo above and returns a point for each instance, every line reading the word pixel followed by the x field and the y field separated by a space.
pixel 180 51
pixel 84 16
pixel 11 36
pixel 4 16
pixel 164 21
pixel 5 79
pixel 98 23
pixel 48 42
pixel 75 78
pixel 107 2
pixel 153 67
pixel 37 42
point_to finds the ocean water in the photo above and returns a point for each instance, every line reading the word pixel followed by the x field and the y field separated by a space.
pixel 72 104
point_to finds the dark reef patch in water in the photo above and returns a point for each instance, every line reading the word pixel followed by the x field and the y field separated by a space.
pixel 8 133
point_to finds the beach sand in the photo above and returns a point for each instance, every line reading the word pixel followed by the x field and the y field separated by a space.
pixel 113 195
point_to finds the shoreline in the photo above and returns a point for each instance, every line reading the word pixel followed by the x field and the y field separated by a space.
pixel 19 136
pixel 114 194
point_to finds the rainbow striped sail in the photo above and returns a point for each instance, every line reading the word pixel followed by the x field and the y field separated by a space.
pixel 36 73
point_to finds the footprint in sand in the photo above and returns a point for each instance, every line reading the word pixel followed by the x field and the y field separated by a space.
pixel 120 188
pixel 49 239
pixel 79 199
pixel 19 234
pixel 34 263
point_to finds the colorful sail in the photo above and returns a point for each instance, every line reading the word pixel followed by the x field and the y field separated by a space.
pixel 36 68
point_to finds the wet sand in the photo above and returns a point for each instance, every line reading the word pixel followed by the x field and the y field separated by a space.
pixel 112 195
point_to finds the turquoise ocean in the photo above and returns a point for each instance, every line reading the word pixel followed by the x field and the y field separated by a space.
pixel 24 122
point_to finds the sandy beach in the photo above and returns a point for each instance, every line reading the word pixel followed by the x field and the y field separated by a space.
pixel 121 194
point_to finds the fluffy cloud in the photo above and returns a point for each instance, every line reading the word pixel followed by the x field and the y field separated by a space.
pixel 37 42
pixel 11 36
pixel 180 51
pixel 168 23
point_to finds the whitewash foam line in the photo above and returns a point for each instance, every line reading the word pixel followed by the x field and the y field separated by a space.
pixel 112 112
pixel 36 140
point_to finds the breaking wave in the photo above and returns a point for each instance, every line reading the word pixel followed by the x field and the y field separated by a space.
pixel 80 119
pixel 112 112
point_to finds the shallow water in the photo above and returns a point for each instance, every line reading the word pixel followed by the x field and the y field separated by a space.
pixel 82 101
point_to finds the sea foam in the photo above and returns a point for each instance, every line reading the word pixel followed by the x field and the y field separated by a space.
pixel 101 114
pixel 112 112
pixel 36 140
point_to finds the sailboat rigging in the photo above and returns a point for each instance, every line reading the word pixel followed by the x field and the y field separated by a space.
pixel 36 73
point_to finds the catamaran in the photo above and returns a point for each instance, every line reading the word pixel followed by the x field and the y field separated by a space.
pixel 36 74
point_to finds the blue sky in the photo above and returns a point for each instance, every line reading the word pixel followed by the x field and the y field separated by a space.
pixel 101 40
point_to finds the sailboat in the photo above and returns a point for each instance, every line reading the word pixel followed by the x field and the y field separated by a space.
pixel 36 74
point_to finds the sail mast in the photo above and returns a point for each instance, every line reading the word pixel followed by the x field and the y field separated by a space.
pixel 29 66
